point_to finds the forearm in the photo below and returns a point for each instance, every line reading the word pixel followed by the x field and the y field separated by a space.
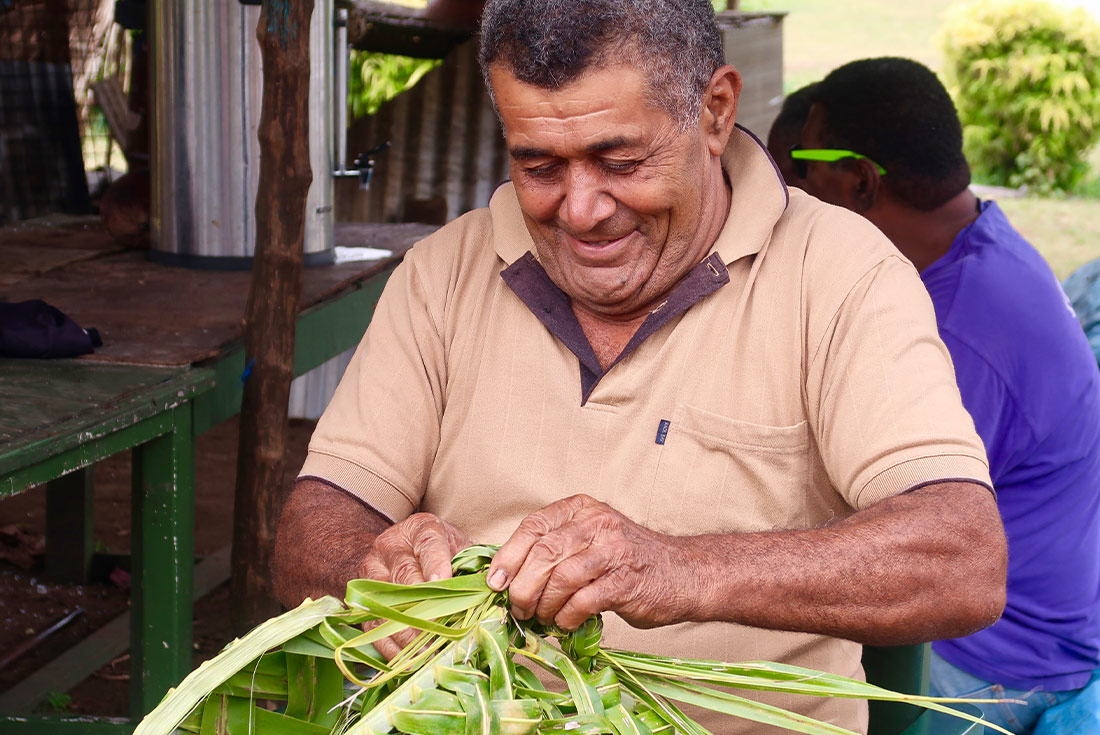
pixel 909 569
pixel 324 536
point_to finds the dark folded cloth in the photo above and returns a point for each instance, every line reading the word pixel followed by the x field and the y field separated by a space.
pixel 37 330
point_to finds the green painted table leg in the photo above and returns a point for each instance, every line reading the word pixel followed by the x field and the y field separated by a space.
pixel 162 564
pixel 69 527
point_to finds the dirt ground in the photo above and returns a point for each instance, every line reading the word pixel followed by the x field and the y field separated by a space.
pixel 29 604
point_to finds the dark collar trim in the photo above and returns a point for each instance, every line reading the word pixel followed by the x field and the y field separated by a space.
pixel 550 305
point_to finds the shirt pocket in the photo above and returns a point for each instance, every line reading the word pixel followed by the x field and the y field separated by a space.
pixel 718 474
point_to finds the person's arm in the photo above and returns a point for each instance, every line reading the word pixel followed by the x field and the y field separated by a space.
pixel 326 537
pixel 920 566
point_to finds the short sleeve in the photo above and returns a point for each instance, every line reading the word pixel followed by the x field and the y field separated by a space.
pixel 379 435
pixel 881 392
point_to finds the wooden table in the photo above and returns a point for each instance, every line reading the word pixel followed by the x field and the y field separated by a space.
pixel 156 320
pixel 57 418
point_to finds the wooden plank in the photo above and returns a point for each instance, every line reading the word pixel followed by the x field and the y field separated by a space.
pixel 328 329
pixel 121 120
pixel 17 262
pixel 148 314
pixel 394 29
pixel 48 407
pixel 50 466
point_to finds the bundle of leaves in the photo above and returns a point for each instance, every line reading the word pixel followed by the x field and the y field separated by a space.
pixel 314 671
pixel 1026 83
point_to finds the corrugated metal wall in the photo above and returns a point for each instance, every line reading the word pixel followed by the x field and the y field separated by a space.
pixel 446 148
pixel 448 154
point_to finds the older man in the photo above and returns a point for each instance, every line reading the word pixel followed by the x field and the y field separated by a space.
pixel 647 370
pixel 1024 368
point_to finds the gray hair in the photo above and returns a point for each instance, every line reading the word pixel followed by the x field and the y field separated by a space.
pixel 550 43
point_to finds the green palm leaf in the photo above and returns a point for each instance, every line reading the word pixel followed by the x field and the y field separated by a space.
pixel 314 670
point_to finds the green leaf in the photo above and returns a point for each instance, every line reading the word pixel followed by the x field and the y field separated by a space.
pixel 585 697
pixel 315 688
pixel 435 712
pixel 748 709
pixel 494 645
pixel 180 701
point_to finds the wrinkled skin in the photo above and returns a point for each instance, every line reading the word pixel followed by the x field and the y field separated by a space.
pixel 419 549
pixel 579 557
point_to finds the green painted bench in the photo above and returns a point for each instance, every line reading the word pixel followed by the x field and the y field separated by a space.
pixel 59 417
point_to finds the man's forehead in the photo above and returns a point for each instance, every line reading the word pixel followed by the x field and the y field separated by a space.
pixel 523 153
pixel 604 109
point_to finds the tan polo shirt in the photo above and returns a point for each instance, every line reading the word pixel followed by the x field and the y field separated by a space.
pixel 798 379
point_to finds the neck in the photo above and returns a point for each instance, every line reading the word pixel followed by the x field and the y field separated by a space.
pixel 925 236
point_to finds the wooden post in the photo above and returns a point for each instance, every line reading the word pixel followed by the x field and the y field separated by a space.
pixel 273 300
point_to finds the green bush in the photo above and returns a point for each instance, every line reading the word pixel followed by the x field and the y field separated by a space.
pixel 1026 81
pixel 377 78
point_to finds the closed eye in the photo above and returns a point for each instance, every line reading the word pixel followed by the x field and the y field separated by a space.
pixel 619 167
pixel 543 171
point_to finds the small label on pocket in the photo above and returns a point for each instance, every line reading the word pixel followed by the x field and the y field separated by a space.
pixel 662 431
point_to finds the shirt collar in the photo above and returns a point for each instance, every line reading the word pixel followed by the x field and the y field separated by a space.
pixel 759 199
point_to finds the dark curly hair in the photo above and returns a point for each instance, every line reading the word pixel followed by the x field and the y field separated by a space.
pixel 549 43
pixel 896 112
pixel 796 108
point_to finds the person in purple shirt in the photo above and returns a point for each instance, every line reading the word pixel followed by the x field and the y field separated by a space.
pixel 882 138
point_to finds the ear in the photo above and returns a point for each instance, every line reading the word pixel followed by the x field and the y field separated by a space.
pixel 719 111
pixel 863 185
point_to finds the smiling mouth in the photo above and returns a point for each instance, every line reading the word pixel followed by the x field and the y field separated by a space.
pixel 601 252
pixel 597 244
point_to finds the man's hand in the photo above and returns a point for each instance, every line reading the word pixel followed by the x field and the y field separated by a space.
pixel 924 565
pixel 578 557
pixel 418 549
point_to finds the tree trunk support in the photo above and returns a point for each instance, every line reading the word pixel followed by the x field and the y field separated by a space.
pixel 273 302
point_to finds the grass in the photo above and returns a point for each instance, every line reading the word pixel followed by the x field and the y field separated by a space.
pixel 1065 231
pixel 819 35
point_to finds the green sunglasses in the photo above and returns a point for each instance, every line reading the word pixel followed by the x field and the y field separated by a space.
pixel 800 155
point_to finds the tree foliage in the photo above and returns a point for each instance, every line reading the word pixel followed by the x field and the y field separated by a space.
pixel 376 78
pixel 1026 83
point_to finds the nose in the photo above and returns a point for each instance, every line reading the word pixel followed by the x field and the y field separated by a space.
pixel 586 201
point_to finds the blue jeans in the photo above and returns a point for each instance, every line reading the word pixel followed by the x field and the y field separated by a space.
pixel 951 681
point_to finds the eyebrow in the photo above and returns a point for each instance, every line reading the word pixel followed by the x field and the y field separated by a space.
pixel 527 154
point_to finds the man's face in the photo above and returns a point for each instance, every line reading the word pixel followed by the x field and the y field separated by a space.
pixel 619 202
pixel 823 180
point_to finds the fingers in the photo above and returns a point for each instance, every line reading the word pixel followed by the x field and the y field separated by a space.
pixel 578 557
pixel 556 552
pixel 533 529
pixel 418 549
pixel 556 567
pixel 578 581
pixel 415 550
